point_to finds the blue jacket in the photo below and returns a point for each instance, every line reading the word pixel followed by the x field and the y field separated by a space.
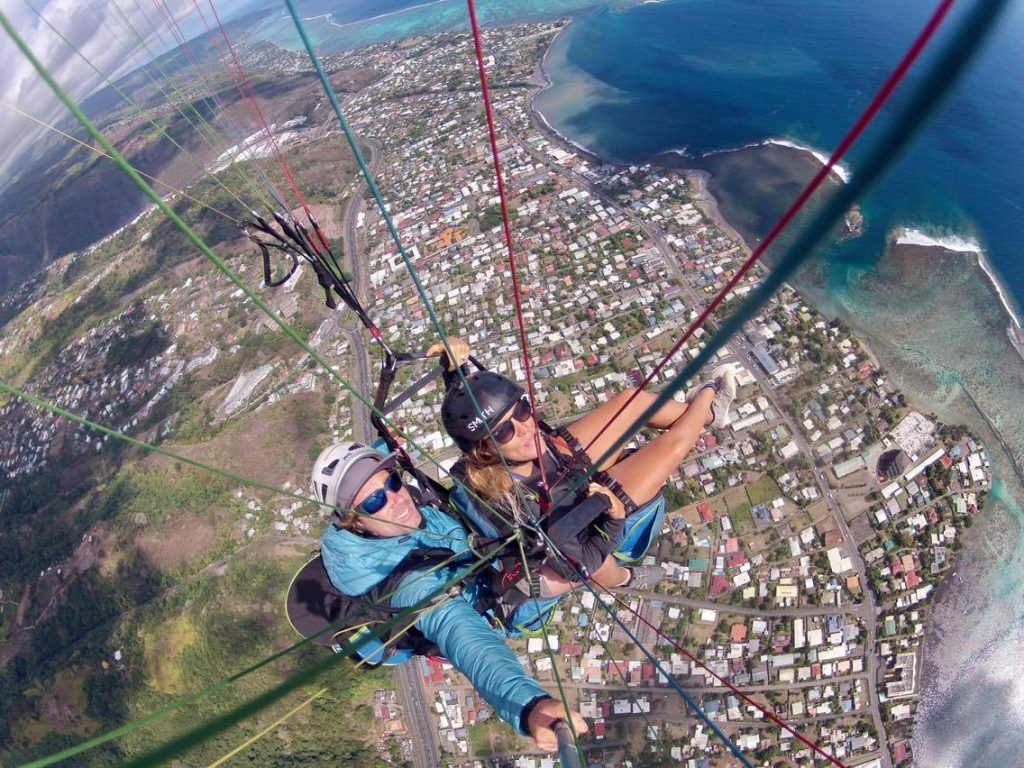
pixel 355 564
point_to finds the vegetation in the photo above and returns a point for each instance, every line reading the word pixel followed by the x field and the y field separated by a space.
pixel 131 350
pixel 184 641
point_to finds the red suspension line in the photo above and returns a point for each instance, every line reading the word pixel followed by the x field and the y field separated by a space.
pixel 179 38
pixel 854 133
pixel 507 228
pixel 234 81
pixel 266 129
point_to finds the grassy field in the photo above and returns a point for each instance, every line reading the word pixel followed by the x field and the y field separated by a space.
pixel 164 646
pixel 495 737
pixel 739 511
pixel 763 490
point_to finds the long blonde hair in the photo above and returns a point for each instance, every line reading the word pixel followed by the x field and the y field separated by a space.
pixel 490 478
pixel 485 473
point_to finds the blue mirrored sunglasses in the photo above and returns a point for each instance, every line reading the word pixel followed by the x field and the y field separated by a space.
pixel 377 500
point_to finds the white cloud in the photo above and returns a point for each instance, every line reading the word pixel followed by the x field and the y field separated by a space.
pixel 103 37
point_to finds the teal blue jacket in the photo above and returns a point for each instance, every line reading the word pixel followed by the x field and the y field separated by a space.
pixel 356 564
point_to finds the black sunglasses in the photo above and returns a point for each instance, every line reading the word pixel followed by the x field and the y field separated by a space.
pixel 506 430
pixel 377 500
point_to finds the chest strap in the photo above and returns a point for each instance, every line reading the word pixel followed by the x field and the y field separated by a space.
pixel 580 458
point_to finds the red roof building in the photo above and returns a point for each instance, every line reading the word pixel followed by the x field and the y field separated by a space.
pixel 738 633
pixel 704 510
pixel 719 584
pixel 737 559
pixel 900 753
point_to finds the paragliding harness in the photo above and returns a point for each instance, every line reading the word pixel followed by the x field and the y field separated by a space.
pixel 319 611
pixel 579 463
pixel 559 519
pixel 315 608
pixel 333 619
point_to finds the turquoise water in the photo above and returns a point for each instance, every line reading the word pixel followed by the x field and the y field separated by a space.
pixel 358 23
pixel 705 78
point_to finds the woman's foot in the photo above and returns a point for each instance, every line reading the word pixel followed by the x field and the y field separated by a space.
pixel 723 382
pixel 642 578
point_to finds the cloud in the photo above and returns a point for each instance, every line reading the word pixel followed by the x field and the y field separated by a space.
pixel 100 32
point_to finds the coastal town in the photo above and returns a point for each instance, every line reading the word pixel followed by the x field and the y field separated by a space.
pixel 803 542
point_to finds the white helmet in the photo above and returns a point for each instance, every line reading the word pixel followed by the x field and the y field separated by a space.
pixel 342 469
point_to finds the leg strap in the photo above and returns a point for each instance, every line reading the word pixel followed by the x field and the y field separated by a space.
pixel 579 453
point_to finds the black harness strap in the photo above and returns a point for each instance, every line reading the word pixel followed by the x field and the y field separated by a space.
pixel 581 459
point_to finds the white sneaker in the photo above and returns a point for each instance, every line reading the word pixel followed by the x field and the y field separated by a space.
pixel 723 381
pixel 643 578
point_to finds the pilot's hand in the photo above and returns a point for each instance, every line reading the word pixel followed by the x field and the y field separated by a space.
pixel 459 348
pixel 542 719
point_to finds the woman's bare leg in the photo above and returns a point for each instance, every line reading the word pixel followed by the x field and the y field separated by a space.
pixel 590 426
pixel 552 585
pixel 643 472
pixel 610 574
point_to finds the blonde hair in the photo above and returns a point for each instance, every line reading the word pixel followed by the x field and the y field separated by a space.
pixel 485 473
pixel 490 478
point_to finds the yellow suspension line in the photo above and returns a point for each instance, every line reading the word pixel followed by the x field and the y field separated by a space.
pixel 253 739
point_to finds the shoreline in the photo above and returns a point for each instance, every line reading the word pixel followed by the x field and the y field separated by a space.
pixel 842 173
pixel 911 236
pixel 709 205
pixel 543 80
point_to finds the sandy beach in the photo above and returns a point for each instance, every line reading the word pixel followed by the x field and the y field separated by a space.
pixel 708 205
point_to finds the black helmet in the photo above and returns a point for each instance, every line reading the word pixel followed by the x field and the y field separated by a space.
pixel 494 394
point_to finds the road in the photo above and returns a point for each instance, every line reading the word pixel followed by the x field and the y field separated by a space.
pixel 416 708
pixel 713 689
pixel 416 711
pixel 354 262
pixel 736 610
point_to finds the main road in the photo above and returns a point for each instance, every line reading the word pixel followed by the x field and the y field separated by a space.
pixel 408 680
pixel 738 610
pixel 416 714
pixel 355 263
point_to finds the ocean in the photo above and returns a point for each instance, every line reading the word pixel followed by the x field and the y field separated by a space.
pixel 750 91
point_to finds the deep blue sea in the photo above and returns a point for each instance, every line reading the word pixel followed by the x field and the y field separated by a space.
pixel 631 81
pixel 713 75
